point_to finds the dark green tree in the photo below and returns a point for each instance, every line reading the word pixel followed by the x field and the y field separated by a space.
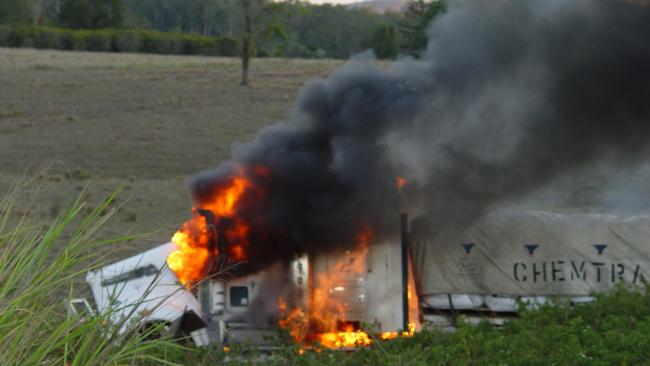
pixel 270 31
pixel 287 28
pixel 384 41
pixel 246 41
pixel 14 11
pixel 417 14
pixel 91 14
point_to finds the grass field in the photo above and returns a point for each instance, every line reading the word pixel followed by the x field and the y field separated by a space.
pixel 147 121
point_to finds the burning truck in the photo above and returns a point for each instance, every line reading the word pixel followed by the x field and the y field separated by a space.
pixel 200 286
pixel 334 300
pixel 299 228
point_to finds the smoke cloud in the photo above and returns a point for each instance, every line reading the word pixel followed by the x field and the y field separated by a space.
pixel 507 96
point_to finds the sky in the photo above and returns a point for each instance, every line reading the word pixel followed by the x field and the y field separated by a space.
pixel 332 1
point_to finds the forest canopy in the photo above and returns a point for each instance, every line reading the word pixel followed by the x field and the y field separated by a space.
pixel 279 28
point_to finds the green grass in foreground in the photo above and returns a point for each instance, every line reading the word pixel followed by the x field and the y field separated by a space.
pixel 614 330
pixel 36 275
pixel 35 330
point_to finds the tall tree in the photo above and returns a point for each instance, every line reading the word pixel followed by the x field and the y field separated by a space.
pixel 384 41
pixel 246 42
pixel 206 17
pixel 91 14
pixel 38 14
pixel 14 11
pixel 270 29
pixel 417 14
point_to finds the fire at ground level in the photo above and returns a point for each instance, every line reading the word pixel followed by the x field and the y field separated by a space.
pixel 337 299
pixel 325 300
pixel 342 308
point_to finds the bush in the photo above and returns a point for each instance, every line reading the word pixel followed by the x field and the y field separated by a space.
pixel 98 41
pixel 118 40
pixel 75 41
pixel 18 36
pixel 159 42
pixel 228 47
pixel 37 37
pixel 127 41
pixel 193 44
pixel 4 35
pixel 51 38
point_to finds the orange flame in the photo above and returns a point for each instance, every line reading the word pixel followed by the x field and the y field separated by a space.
pixel 414 302
pixel 414 310
pixel 327 308
pixel 325 320
pixel 392 335
pixel 224 201
pixel 400 182
pixel 346 339
pixel 189 260
pixel 326 312
pixel 294 321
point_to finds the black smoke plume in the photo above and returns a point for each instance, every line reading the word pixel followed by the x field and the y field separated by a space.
pixel 507 96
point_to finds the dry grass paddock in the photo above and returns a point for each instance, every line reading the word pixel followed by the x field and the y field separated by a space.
pixel 147 121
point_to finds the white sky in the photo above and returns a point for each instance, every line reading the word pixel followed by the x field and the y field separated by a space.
pixel 333 1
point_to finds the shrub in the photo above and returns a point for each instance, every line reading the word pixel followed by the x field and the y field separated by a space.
pixel 193 44
pixel 75 41
pixel 127 41
pixel 98 40
pixel 148 42
pixel 117 40
pixel 159 42
pixel 228 47
pixel 24 36
pixel 262 53
pixel 48 38
pixel 17 36
pixel 5 31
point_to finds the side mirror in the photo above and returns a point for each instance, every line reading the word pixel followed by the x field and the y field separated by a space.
pixel 79 307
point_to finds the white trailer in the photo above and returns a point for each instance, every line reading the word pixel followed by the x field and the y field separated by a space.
pixel 527 256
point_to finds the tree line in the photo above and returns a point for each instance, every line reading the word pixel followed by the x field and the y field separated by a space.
pixel 290 28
